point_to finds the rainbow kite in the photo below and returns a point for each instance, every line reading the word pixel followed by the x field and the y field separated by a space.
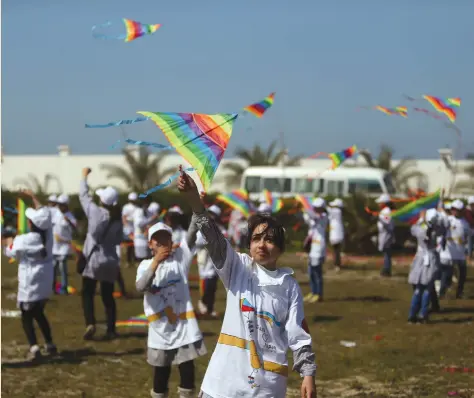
pixel 275 203
pixel 22 223
pixel 259 108
pixel 410 213
pixel 200 139
pixel 443 107
pixel 139 321
pixel 134 30
pixel 399 110
pixel 238 200
pixel 339 157
pixel 305 202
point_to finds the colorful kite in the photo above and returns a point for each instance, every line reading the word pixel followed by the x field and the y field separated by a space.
pixel 305 201
pixel 444 106
pixel 200 139
pixel 115 124
pixel 410 213
pixel 134 30
pixel 399 110
pixel 276 204
pixel 238 200
pixel 338 157
pixel 139 321
pixel 259 108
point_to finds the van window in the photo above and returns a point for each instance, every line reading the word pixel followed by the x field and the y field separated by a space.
pixel 319 186
pixel 274 184
pixel 364 185
pixel 303 185
pixel 334 188
pixel 252 184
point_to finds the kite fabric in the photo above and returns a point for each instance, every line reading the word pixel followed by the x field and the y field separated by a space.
pixel 22 223
pixel 134 321
pixel 117 123
pixel 339 157
pixel 399 110
pixel 444 106
pixel 276 204
pixel 134 30
pixel 165 184
pixel 200 139
pixel 237 200
pixel 410 213
pixel 259 108
pixel 305 201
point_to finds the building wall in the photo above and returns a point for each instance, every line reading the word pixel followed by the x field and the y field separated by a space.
pixel 67 169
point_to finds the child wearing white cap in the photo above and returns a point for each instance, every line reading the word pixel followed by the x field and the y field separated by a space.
pixel 386 236
pixel 34 253
pixel 336 229
pixel 173 219
pixel 207 273
pixel 142 219
pixel 128 210
pixel 469 216
pixel 64 225
pixel 457 240
pixel 425 264
pixel 174 337
pixel 318 224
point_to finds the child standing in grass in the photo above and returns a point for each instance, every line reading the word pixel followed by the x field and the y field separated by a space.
pixel 425 265
pixel 174 337
pixel 34 253
pixel 264 315
pixel 318 224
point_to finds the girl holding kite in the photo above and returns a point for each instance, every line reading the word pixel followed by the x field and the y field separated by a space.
pixel 264 315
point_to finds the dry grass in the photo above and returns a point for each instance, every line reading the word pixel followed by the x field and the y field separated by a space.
pixel 403 361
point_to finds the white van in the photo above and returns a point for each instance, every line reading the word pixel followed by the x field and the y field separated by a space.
pixel 289 181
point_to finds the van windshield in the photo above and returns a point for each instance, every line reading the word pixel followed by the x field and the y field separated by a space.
pixel 365 186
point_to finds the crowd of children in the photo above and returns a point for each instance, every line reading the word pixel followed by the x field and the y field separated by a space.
pixel 264 314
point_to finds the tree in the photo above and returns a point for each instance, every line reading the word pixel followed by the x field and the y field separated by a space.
pixel 143 171
pixel 39 188
pixel 466 186
pixel 401 174
pixel 258 156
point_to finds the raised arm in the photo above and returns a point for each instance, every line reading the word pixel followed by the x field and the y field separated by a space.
pixel 36 203
pixel 146 272
pixel 85 199
pixel 219 249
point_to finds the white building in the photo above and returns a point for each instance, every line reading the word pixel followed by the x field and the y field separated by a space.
pixel 65 168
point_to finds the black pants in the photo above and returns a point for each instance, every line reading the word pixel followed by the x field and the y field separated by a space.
pixel 162 375
pixel 130 253
pixel 107 294
pixel 35 311
pixel 337 254
pixel 121 283
pixel 209 292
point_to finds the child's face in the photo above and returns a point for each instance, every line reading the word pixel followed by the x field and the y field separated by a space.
pixel 160 239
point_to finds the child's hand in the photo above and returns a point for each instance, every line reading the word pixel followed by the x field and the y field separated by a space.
pixel 187 186
pixel 161 254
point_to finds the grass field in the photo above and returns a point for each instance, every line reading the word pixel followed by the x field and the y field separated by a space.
pixel 390 359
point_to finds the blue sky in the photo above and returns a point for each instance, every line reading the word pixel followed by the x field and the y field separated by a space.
pixel 323 59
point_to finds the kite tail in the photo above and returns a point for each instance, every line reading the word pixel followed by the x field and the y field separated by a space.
pixel 166 183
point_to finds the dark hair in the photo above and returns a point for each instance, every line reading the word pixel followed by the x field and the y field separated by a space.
pixel 274 229
pixel 42 233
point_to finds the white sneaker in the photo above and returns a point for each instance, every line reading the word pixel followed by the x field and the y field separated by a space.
pixel 34 353
pixel 202 308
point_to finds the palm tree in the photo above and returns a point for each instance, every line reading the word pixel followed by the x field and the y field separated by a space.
pixel 466 186
pixel 401 174
pixel 143 172
pixel 39 188
pixel 258 156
